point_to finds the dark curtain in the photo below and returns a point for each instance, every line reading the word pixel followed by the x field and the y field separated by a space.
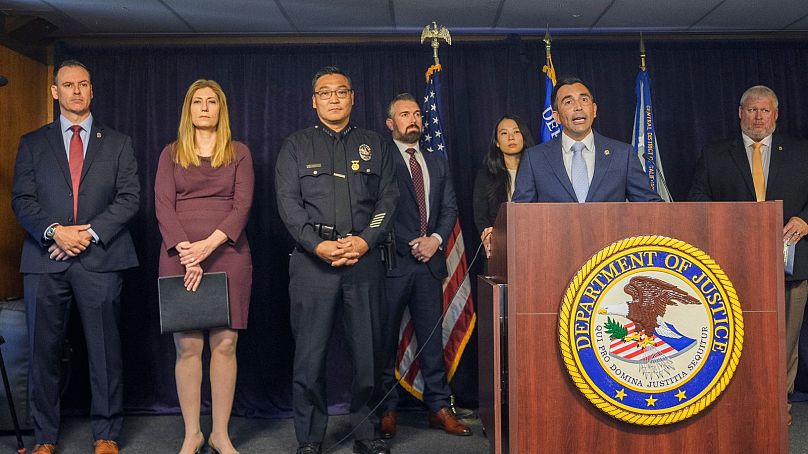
pixel 139 90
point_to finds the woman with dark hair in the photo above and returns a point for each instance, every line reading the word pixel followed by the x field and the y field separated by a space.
pixel 496 179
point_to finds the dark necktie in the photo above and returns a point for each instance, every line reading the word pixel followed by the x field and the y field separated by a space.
pixel 342 197
pixel 76 161
pixel 418 184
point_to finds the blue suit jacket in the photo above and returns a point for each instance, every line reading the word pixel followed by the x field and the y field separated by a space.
pixel 406 222
pixel 618 175
pixel 109 196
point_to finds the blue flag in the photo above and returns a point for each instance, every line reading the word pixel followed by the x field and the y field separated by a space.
pixel 549 129
pixel 644 137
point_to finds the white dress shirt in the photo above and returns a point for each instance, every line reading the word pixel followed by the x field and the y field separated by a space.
pixel 588 153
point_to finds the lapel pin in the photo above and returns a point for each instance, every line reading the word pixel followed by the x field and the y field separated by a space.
pixel 780 148
pixel 98 135
pixel 606 152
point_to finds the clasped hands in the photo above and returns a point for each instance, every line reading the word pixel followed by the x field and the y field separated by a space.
pixel 69 241
pixel 193 254
pixel 342 252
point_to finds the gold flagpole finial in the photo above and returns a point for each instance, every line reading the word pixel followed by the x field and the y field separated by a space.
pixel 547 41
pixel 435 34
pixel 642 52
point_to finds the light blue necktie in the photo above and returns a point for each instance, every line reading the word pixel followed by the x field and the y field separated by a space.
pixel 580 177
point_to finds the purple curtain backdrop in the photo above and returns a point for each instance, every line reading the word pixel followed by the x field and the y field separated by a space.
pixel 139 90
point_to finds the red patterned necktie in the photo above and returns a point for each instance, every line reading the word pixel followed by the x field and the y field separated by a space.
pixel 76 161
pixel 418 184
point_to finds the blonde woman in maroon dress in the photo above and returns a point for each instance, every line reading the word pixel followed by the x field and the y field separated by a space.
pixel 203 193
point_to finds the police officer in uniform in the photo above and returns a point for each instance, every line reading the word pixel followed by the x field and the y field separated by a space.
pixel 336 191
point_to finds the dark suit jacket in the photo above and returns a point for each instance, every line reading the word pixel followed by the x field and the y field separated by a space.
pixel 618 175
pixel 109 194
pixel 486 208
pixel 723 174
pixel 406 222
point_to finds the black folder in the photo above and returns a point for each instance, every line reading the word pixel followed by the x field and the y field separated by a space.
pixel 181 310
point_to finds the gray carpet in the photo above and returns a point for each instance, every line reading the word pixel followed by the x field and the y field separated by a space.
pixel 162 434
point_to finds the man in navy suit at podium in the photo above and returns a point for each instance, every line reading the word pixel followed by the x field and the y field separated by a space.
pixel 580 165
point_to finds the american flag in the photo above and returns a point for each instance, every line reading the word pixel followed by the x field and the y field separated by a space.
pixel 459 319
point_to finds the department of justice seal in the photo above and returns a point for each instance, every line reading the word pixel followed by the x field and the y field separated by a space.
pixel 364 152
pixel 651 330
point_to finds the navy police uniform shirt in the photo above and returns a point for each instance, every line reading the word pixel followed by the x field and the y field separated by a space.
pixel 304 183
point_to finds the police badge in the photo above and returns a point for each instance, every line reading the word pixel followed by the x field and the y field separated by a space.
pixel 651 330
pixel 364 152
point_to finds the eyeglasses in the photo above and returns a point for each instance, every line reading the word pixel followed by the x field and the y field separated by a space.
pixel 325 95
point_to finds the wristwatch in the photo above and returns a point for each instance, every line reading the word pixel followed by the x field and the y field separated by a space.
pixel 51 231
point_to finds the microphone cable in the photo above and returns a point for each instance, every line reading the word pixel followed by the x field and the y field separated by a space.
pixel 417 355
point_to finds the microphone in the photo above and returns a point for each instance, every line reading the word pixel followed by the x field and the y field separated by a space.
pixel 661 176
pixel 3 81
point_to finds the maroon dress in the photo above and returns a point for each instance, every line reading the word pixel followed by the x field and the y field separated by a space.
pixel 191 203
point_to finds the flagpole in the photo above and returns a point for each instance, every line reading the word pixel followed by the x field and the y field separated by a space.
pixel 549 128
pixel 435 34
pixel 642 53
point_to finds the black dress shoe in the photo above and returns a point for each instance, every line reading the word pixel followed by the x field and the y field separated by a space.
pixel 309 448
pixel 370 447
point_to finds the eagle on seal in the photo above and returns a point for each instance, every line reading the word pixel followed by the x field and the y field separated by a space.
pixel 650 299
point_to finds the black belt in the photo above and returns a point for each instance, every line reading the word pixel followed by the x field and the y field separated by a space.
pixel 329 232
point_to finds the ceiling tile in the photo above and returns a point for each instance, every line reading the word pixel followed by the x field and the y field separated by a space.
pixel 120 16
pixel 414 15
pixel 655 15
pixel 557 14
pixel 340 16
pixel 216 16
pixel 753 15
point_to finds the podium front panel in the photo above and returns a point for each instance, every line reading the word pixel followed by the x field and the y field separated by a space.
pixel 538 248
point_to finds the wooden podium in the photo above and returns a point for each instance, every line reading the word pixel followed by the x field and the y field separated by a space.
pixel 529 404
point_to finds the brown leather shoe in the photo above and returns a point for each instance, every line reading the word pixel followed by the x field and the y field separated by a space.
pixel 444 419
pixel 387 428
pixel 106 447
pixel 44 448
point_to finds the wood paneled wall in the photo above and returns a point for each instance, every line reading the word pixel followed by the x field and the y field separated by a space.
pixel 25 104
